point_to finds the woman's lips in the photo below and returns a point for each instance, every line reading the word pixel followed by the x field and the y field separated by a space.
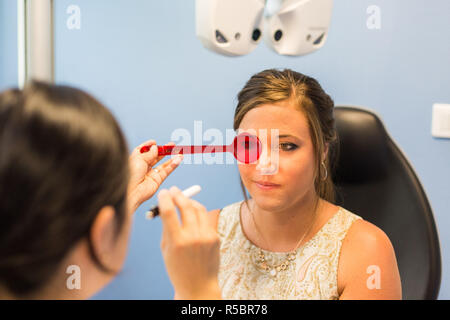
pixel 266 185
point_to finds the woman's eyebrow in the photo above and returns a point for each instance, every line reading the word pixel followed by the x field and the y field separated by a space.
pixel 288 136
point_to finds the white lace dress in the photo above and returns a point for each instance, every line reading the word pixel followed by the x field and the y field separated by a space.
pixel 311 275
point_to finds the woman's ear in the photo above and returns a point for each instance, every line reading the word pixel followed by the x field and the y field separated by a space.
pixel 102 235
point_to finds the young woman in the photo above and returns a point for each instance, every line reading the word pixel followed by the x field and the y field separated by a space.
pixel 68 190
pixel 289 241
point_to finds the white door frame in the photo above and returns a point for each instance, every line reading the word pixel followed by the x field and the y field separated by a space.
pixel 35 40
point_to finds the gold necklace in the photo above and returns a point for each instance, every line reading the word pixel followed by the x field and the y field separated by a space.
pixel 290 256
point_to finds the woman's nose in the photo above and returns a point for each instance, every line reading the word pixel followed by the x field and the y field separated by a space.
pixel 268 161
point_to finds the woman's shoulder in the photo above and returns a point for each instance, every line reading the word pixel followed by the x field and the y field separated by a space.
pixel 362 232
pixel 335 221
pixel 364 247
pixel 214 215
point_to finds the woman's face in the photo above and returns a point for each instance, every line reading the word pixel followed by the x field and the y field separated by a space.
pixel 284 173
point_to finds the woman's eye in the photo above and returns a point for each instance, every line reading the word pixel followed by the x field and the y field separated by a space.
pixel 248 145
pixel 288 146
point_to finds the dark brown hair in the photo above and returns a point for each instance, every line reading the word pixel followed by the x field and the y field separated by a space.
pixel 271 86
pixel 62 158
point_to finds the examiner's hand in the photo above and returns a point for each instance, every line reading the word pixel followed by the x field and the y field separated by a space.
pixel 190 247
pixel 145 178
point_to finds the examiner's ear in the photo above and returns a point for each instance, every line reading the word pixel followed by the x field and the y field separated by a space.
pixel 102 236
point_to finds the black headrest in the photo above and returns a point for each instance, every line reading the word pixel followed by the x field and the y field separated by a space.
pixel 375 180
pixel 363 148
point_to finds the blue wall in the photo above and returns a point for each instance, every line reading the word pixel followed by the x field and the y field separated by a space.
pixel 8 44
pixel 142 59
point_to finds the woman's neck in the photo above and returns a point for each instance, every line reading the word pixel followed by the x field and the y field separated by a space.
pixel 281 230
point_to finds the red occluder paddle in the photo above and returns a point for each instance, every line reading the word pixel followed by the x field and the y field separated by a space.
pixel 246 148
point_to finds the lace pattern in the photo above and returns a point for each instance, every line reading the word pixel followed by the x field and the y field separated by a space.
pixel 312 275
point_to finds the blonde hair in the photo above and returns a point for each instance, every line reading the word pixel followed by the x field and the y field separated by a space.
pixel 271 86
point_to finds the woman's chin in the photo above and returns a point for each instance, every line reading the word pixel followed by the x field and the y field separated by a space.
pixel 268 203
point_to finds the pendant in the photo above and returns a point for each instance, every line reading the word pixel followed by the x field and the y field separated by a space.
pixel 273 272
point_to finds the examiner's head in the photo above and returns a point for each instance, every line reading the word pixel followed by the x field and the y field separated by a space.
pixel 63 193
pixel 302 112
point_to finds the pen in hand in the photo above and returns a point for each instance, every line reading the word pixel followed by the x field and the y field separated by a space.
pixel 189 192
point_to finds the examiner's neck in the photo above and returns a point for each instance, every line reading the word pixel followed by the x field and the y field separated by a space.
pixel 41 295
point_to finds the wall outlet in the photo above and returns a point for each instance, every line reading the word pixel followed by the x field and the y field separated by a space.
pixel 440 123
